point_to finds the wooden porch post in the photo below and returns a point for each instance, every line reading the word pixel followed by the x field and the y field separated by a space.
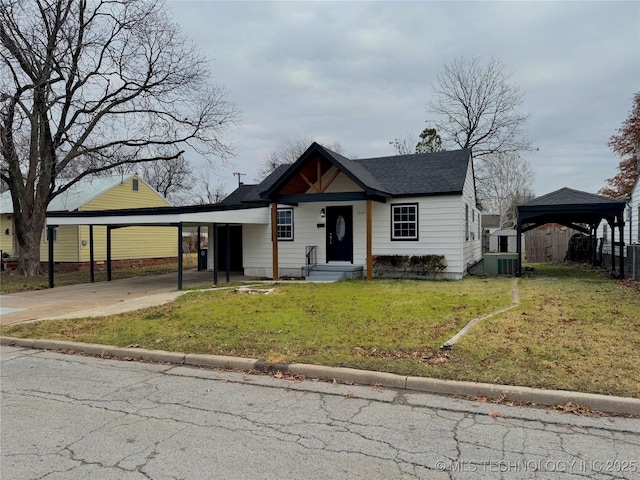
pixel 369 240
pixel 274 239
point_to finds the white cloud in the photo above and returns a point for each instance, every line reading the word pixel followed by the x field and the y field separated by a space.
pixel 359 73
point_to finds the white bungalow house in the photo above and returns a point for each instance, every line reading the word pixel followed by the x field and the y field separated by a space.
pixel 334 213
pixel 328 212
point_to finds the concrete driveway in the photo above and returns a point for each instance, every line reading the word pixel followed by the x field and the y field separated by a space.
pixel 100 298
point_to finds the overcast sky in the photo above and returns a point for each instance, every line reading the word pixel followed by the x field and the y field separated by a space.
pixel 360 73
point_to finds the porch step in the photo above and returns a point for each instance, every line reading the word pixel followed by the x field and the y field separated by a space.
pixel 334 273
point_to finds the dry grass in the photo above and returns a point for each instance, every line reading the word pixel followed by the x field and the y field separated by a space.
pixel 574 329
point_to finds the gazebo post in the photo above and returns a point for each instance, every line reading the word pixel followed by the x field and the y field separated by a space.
pixel 621 227
pixel 594 245
pixel 612 225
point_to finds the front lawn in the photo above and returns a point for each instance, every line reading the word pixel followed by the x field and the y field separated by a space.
pixel 574 329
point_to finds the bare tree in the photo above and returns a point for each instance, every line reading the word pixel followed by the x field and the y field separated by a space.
pixel 206 189
pixel 86 86
pixel 504 181
pixel 477 106
pixel 171 178
pixel 288 152
pixel 405 144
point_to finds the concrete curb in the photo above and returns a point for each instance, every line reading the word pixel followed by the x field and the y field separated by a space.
pixel 601 403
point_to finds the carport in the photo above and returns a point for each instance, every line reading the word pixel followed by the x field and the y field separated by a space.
pixel 575 209
pixel 219 219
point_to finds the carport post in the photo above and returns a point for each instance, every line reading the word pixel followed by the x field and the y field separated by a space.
pixel 198 249
pixel 180 256
pixel 215 253
pixel 50 234
pixel 594 245
pixel 109 228
pixel 621 226
pixel 228 253
pixel 92 272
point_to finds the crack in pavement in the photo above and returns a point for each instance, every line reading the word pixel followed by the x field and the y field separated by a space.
pixel 152 422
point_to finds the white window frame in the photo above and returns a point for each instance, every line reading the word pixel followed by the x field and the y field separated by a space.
pixel 281 226
pixel 394 222
pixel 135 185
pixel 55 235
pixel 466 221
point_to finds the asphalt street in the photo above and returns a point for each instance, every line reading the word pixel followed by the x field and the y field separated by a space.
pixel 79 417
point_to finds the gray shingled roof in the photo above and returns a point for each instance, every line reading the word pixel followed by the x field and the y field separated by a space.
pixel 438 173
pixel 420 174
pixel 569 196
pixel 251 193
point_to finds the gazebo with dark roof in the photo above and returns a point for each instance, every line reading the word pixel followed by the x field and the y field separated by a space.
pixel 574 209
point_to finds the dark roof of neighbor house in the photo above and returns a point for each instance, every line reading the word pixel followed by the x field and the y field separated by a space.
pixel 251 193
pixel 441 173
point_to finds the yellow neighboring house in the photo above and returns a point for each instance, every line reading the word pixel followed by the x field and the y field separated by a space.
pixel 129 245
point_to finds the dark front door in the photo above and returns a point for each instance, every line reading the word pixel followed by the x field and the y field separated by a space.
pixel 340 234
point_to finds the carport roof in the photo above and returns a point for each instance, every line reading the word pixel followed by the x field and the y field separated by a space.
pixel 569 205
pixel 191 214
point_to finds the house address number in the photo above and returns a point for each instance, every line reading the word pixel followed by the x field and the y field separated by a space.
pixel 360 212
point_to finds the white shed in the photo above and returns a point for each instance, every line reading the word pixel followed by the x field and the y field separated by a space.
pixel 504 241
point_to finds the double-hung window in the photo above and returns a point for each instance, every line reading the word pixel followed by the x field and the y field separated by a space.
pixel 466 221
pixel 55 234
pixel 404 221
pixel 285 224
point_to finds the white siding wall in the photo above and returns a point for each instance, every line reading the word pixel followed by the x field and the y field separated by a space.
pixel 634 221
pixel 440 233
pixel 472 248
pixel 631 225
pixel 441 229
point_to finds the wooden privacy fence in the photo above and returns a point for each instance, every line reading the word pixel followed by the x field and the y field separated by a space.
pixel 547 243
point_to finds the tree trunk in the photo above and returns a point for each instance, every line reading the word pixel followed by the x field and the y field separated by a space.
pixel 28 230
pixel 29 258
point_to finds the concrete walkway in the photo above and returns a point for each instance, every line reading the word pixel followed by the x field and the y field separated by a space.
pixel 100 298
